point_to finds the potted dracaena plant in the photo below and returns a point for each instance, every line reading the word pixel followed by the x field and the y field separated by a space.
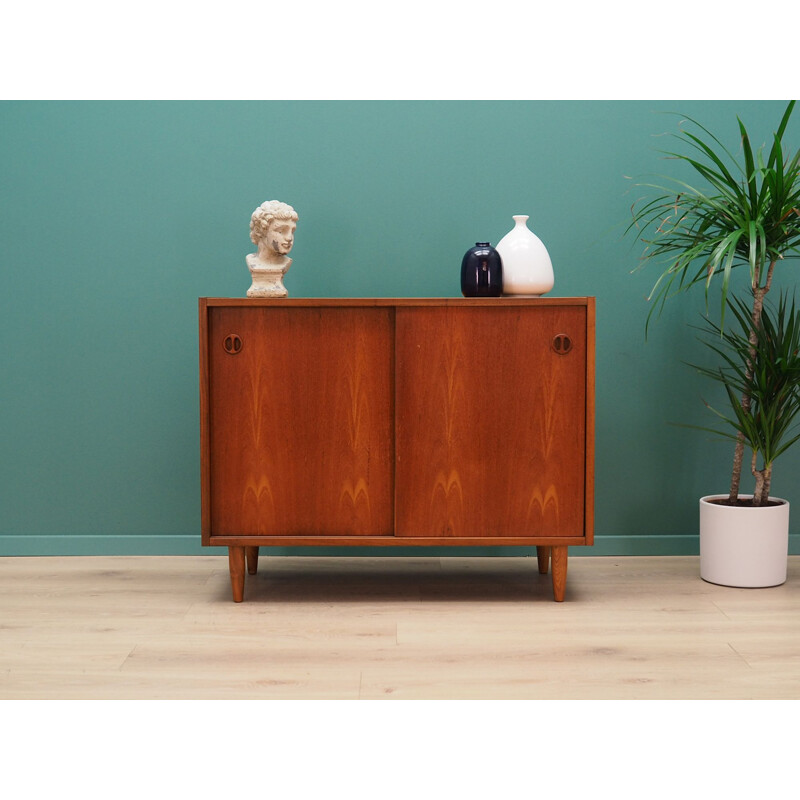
pixel 745 213
pixel 762 364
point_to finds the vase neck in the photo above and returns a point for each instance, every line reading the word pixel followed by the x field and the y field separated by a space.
pixel 520 220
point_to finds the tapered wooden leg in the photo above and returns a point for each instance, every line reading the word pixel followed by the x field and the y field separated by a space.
pixel 236 564
pixel 252 559
pixel 559 558
pixel 543 554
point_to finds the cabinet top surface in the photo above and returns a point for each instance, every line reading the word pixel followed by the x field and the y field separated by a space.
pixel 397 301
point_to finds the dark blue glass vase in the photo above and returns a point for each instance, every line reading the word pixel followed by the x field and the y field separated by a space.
pixel 482 272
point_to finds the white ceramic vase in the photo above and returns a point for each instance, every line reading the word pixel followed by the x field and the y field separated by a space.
pixel 527 269
pixel 745 547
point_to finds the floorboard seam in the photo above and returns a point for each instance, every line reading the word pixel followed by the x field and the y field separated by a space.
pixel 750 666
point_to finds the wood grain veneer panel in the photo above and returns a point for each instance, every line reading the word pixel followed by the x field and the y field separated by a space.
pixel 490 422
pixel 394 541
pixel 300 424
pixel 394 302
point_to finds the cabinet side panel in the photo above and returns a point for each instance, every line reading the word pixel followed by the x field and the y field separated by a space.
pixel 590 411
pixel 301 421
pixel 491 421
pixel 205 517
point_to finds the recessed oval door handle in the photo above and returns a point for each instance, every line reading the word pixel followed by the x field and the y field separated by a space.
pixel 232 344
pixel 562 344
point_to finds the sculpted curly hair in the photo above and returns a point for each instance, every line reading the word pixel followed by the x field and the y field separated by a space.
pixel 263 216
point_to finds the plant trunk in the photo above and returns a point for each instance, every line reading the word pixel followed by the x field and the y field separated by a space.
pixel 738 457
pixel 767 484
pixel 758 474
pixel 759 293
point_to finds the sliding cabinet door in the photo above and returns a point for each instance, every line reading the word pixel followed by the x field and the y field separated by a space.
pixel 300 420
pixel 490 421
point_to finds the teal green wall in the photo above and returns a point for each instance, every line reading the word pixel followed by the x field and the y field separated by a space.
pixel 116 216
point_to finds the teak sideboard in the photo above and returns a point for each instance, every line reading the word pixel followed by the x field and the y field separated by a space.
pixel 397 422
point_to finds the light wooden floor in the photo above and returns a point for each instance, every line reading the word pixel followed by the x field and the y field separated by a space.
pixel 348 628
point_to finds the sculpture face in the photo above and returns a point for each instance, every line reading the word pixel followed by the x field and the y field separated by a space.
pixel 280 236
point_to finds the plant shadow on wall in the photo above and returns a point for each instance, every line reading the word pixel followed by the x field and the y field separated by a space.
pixel 743 211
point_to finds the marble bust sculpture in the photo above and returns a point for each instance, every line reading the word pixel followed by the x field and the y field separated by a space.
pixel 272 227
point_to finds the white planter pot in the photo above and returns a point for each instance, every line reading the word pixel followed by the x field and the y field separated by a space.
pixel 745 547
